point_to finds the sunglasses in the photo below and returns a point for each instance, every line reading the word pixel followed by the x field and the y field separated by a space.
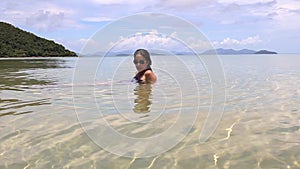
pixel 141 62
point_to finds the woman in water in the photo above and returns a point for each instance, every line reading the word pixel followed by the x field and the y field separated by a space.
pixel 142 63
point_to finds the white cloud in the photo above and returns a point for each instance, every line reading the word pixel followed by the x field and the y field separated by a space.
pixel 117 2
pixel 287 15
pixel 243 2
pixel 230 42
pixel 46 20
pixel 186 4
pixel 151 40
pixel 155 41
pixel 41 16
pixel 289 4
pixel 199 45
pixel 272 11
pixel 97 19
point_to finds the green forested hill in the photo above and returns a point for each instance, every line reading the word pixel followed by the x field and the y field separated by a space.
pixel 15 42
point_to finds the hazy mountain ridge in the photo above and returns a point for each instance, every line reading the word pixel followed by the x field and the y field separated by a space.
pixel 221 51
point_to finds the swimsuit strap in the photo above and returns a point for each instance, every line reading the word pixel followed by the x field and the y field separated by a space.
pixel 140 74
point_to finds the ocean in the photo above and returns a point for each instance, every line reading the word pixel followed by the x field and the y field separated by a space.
pixel 87 113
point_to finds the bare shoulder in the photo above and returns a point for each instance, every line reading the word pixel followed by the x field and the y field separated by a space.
pixel 149 72
pixel 150 76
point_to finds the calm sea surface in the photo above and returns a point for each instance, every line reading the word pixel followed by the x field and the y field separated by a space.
pixel 55 113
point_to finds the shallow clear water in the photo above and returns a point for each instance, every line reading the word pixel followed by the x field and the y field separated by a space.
pixel 50 120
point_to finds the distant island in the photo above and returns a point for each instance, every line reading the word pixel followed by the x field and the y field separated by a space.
pixel 265 52
pixel 15 42
pixel 221 51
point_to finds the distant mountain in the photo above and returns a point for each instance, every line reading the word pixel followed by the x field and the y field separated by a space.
pixel 15 42
pixel 221 51
pixel 265 52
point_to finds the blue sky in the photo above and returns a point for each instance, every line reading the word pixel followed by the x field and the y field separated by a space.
pixel 238 24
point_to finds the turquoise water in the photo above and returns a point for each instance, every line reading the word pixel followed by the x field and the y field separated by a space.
pixel 50 120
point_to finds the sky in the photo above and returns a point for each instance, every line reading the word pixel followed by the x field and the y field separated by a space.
pixel 238 24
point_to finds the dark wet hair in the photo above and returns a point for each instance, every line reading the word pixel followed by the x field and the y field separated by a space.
pixel 145 54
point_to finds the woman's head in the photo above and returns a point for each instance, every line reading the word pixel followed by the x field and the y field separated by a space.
pixel 142 59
